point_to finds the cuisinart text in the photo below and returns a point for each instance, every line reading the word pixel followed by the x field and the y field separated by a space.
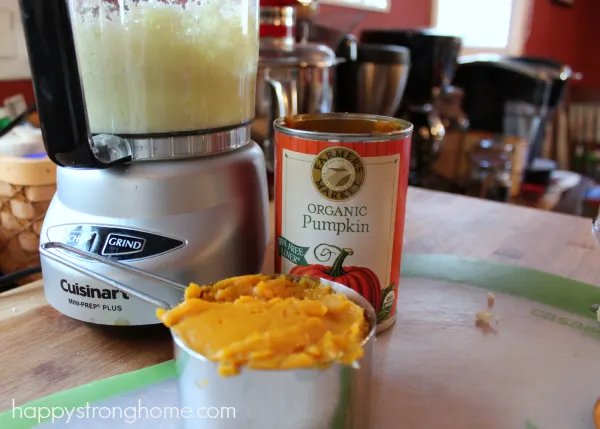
pixel 86 291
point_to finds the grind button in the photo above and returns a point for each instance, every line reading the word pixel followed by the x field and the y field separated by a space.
pixel 82 240
pixel 118 244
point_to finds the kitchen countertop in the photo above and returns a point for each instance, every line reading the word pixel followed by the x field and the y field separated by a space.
pixel 44 352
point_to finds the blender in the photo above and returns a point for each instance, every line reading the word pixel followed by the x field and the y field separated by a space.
pixel 145 106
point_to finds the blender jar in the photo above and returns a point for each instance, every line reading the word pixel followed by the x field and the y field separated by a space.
pixel 166 66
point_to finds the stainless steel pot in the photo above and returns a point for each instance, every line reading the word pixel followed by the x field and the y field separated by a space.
pixel 334 398
pixel 291 80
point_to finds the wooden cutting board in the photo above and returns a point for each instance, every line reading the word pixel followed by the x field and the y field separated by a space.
pixel 436 367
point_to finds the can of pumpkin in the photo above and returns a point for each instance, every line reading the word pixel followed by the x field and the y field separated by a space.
pixel 340 196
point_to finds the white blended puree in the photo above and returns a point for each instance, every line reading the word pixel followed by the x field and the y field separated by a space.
pixel 154 66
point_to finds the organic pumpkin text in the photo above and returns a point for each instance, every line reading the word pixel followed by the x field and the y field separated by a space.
pixel 346 218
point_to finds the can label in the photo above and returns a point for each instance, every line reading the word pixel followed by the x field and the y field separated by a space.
pixel 340 211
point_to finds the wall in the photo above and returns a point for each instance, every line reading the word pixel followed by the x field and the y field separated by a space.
pixel 589 61
pixel 568 35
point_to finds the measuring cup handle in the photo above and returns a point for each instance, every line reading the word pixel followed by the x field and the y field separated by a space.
pixel 45 249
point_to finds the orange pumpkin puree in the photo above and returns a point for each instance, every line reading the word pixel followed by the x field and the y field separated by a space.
pixel 265 322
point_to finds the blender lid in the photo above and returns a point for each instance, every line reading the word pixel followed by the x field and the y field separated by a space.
pixel 273 54
pixel 382 54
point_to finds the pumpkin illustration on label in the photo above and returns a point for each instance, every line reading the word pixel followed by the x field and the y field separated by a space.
pixel 360 279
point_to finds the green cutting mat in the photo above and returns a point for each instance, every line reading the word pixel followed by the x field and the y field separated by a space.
pixel 562 293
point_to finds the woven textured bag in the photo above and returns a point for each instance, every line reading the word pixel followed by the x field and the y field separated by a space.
pixel 26 189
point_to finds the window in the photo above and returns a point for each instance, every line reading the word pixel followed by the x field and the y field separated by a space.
pixel 485 26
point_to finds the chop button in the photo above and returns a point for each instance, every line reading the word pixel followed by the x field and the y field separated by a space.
pixel 82 240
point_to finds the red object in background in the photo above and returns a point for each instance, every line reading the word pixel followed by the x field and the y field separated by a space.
pixel 530 188
pixel 267 31
pixel 591 202
pixel 531 192
pixel 277 22
pixel 9 88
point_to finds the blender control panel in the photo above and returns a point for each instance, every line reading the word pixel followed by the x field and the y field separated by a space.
pixel 121 244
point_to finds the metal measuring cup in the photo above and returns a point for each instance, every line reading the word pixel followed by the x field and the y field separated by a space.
pixel 337 397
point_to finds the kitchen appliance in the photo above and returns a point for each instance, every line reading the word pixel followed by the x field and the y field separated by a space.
pixel 503 95
pixel 374 81
pixel 305 12
pixel 146 108
pixel 292 79
pixel 557 76
pixel 539 170
pixel 510 98
pixel 433 59
pixel 337 396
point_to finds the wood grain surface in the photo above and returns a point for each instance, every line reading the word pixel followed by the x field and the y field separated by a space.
pixel 43 352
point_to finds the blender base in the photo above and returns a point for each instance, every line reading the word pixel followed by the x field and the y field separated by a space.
pixel 194 220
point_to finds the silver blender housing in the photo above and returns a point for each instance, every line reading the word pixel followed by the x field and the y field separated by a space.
pixel 199 213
